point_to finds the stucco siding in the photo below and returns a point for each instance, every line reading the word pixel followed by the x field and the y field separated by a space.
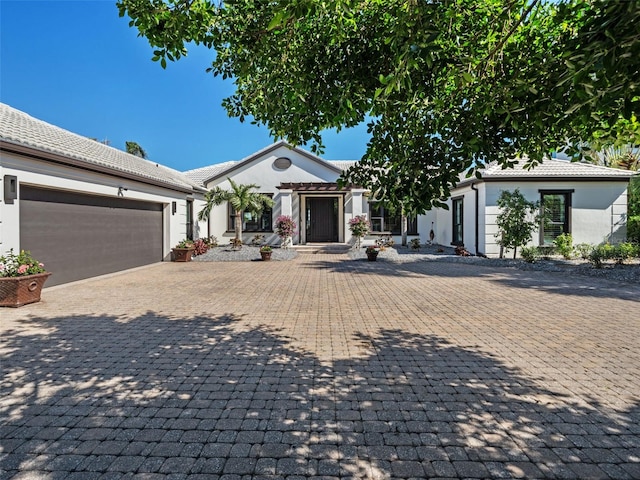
pixel 261 171
pixel 598 210
pixel 39 173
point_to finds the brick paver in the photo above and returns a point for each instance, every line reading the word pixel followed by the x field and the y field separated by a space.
pixel 323 368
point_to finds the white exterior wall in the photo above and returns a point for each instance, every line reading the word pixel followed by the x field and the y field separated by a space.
pixel 261 171
pixel 598 213
pixel 44 174
pixel 598 210
pixel 441 220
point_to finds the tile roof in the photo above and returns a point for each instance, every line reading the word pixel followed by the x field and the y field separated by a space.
pixel 19 128
pixel 201 175
pixel 342 164
pixel 552 168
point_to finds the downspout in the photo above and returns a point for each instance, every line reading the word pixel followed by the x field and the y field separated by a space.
pixel 473 187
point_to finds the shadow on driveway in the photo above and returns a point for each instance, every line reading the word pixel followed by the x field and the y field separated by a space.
pixel 93 395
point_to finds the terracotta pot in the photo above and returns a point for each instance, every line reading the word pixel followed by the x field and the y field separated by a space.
pixel 183 254
pixel 266 256
pixel 18 291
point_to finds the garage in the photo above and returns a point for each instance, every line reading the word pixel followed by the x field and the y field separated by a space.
pixel 79 236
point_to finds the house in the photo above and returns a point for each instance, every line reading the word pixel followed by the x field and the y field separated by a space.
pixel 302 185
pixel 83 208
pixel 587 201
pixel 86 209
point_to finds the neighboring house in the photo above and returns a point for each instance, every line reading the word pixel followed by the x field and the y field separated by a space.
pixel 587 201
pixel 84 208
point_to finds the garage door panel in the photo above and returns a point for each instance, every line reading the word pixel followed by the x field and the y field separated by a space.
pixel 81 236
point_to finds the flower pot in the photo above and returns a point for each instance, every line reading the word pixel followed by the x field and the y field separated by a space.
pixel 266 256
pixel 372 257
pixel 18 291
pixel 182 254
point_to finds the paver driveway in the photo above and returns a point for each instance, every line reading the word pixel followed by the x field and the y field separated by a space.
pixel 323 367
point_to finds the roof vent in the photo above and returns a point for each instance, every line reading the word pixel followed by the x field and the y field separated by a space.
pixel 282 163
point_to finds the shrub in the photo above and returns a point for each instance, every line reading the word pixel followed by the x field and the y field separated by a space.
pixel 186 243
pixel 624 252
pixel 546 251
pixel 633 229
pixel 415 244
pixel 211 241
pixel 530 254
pixel 200 246
pixel 236 243
pixel 12 265
pixel 584 250
pixel 257 240
pixel 564 245
pixel 600 254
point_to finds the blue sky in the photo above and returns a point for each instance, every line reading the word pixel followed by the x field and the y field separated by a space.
pixel 78 65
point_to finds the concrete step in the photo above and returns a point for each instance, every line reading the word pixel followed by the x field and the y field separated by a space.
pixel 315 248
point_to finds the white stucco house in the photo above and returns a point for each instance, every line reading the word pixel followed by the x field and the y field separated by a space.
pixel 587 201
pixel 83 208
pixel 590 202
pixel 86 209
pixel 302 186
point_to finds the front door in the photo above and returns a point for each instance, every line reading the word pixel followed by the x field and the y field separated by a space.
pixel 322 219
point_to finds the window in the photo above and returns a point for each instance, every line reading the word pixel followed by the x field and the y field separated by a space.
pixel 458 221
pixel 252 222
pixel 384 221
pixel 190 219
pixel 556 218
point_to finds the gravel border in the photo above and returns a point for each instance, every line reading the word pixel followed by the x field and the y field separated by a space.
pixel 629 273
pixel 247 253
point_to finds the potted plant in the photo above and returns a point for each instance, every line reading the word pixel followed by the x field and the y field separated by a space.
pixel 21 279
pixel 285 229
pixel 183 251
pixel 265 253
pixel 372 253
pixel 359 226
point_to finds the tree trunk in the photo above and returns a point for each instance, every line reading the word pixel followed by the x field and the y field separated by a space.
pixel 515 249
pixel 238 228
pixel 404 230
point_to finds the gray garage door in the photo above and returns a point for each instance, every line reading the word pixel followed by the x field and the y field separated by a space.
pixel 80 236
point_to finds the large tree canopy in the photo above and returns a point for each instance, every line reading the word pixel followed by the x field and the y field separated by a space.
pixel 446 85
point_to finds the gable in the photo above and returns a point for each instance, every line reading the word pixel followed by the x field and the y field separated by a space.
pixel 276 164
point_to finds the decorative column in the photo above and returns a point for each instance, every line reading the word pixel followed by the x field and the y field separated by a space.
pixel 357 206
pixel 286 208
pixel 286 203
pixel 356 201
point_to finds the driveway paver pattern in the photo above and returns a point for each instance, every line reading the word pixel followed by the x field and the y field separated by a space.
pixel 323 368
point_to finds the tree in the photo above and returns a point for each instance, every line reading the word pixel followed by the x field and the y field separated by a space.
pixel 445 85
pixel 633 211
pixel 134 149
pixel 516 221
pixel 241 198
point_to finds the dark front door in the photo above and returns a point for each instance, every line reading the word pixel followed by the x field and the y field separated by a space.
pixel 322 219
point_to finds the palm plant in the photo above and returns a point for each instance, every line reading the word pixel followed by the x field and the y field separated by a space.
pixel 134 149
pixel 241 198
